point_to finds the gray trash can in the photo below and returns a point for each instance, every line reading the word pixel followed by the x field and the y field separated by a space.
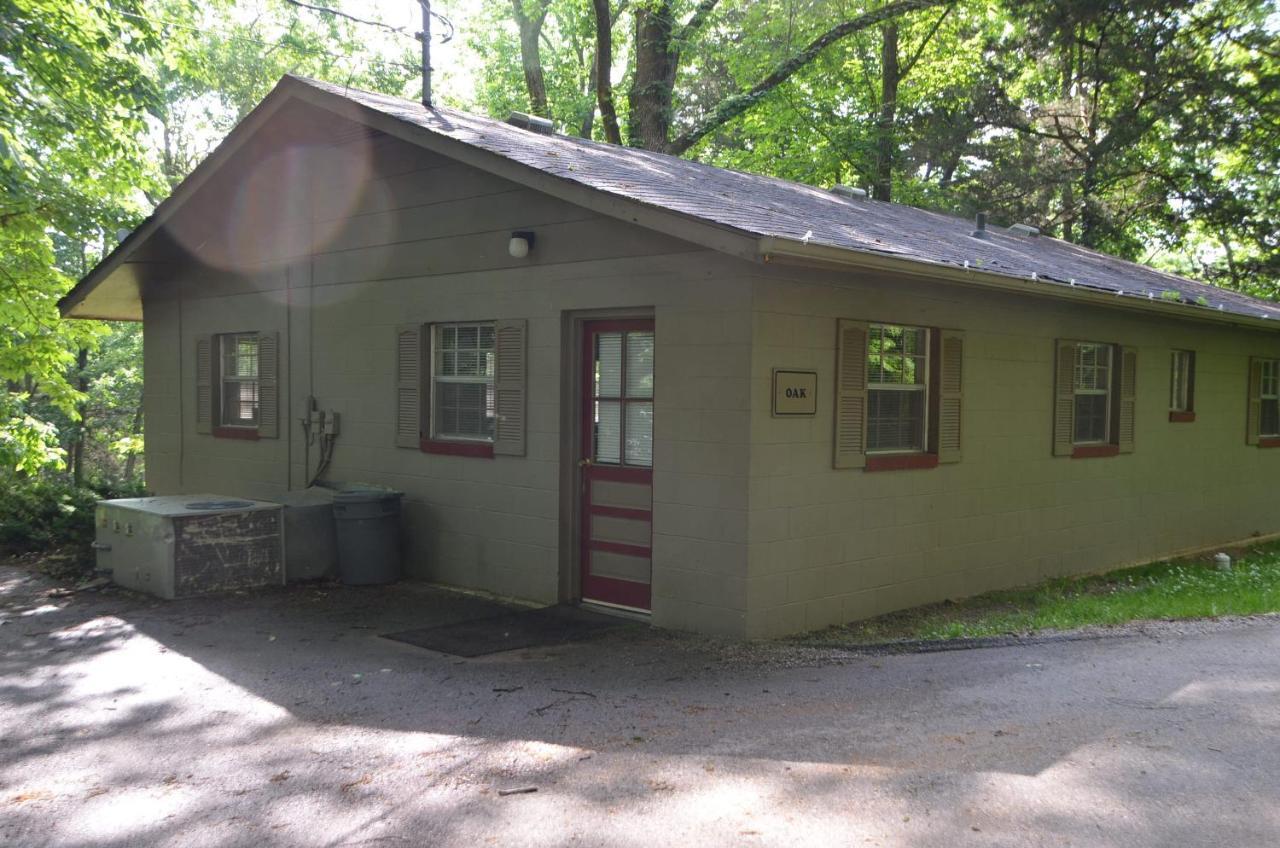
pixel 367 526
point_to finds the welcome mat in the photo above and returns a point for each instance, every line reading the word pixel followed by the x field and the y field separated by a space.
pixel 537 628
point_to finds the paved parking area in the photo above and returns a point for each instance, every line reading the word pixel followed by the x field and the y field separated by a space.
pixel 282 718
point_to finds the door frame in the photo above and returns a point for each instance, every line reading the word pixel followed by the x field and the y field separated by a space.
pixel 573 338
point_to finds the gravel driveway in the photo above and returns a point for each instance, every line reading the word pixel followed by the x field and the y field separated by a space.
pixel 282 718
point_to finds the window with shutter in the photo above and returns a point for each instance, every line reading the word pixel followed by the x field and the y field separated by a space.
pixel 474 399
pixel 237 385
pixel 1264 402
pixel 1095 399
pixel 899 396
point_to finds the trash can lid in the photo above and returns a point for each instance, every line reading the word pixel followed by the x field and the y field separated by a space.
pixel 365 494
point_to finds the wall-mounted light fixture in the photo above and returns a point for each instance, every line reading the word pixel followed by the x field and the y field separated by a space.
pixel 521 243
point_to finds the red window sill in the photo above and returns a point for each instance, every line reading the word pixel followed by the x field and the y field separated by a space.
pixel 482 450
pixel 247 433
pixel 1269 442
pixel 1182 417
pixel 1091 451
pixel 901 462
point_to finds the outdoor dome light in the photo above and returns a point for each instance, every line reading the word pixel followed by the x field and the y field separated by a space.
pixel 520 245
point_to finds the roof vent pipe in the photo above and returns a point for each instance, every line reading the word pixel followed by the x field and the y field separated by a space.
pixel 981 231
pixel 1024 230
pixel 848 191
pixel 532 123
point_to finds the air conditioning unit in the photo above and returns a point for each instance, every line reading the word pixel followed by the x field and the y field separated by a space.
pixel 179 546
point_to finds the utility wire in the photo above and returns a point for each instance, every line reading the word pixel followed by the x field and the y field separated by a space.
pixel 251 40
pixel 397 30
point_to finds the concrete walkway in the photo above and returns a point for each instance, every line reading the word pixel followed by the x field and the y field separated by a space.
pixel 282 719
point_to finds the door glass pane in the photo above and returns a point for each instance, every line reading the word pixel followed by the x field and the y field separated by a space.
pixel 608 376
pixel 608 431
pixel 640 365
pixel 640 434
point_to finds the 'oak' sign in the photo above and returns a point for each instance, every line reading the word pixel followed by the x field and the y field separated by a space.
pixel 795 392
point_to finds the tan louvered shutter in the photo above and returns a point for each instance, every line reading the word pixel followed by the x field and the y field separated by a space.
pixel 509 389
pixel 1253 430
pixel 950 395
pixel 268 385
pixel 1127 399
pixel 409 386
pixel 204 384
pixel 1064 398
pixel 851 395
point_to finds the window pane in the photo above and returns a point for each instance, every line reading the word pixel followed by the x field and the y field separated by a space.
pixel 897 355
pixel 1093 367
pixel 895 420
pixel 639 434
pixel 640 365
pixel 607 431
pixel 464 410
pixel 1091 418
pixel 1270 423
pixel 468 338
pixel 609 365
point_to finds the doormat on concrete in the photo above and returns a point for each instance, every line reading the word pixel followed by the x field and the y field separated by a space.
pixel 522 629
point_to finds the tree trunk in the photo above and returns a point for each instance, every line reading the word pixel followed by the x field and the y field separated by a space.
pixel 886 140
pixel 81 429
pixel 131 461
pixel 530 27
pixel 601 70
pixel 735 104
pixel 651 95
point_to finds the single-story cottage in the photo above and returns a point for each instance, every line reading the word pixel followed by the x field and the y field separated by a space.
pixel 734 403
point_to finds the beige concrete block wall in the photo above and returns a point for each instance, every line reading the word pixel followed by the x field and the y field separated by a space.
pixel 828 546
pixel 425 241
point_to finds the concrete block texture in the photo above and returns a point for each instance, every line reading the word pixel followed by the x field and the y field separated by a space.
pixel 1009 513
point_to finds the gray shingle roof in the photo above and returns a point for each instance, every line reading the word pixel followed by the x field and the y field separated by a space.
pixel 769 207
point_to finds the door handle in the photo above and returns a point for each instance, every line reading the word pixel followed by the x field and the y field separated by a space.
pixel 585 463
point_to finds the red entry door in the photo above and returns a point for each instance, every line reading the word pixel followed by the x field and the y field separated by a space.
pixel 616 463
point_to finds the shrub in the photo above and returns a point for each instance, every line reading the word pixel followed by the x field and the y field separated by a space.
pixel 39 515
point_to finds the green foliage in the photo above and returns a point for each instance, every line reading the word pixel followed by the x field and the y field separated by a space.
pixel 1146 129
pixel 37 515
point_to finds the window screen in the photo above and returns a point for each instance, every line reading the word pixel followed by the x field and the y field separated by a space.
pixel 1092 394
pixel 897 388
pixel 1181 367
pixel 1269 393
pixel 238 380
pixel 462 381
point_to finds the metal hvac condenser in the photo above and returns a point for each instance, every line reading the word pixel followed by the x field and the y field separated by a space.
pixel 178 546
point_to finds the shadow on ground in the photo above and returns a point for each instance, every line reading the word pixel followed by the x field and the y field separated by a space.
pixel 281 717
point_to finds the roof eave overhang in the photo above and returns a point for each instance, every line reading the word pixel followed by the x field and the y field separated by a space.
pixel 73 303
pixel 774 250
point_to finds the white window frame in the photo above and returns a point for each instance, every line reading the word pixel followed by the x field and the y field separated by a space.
pixel 222 340
pixel 436 377
pixel 1269 391
pixel 1181 365
pixel 1077 391
pixel 922 388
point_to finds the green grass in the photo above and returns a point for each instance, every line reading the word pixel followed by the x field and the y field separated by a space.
pixel 1188 588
